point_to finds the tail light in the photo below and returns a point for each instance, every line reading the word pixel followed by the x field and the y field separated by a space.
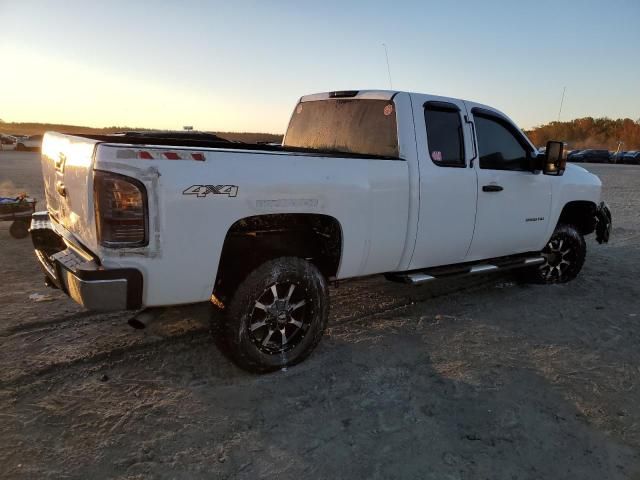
pixel 121 210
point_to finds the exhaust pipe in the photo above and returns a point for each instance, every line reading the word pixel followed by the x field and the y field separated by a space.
pixel 143 318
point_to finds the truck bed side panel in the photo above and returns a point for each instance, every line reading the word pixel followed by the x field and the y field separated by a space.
pixel 368 197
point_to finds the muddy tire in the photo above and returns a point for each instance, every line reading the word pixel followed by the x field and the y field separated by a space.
pixel 564 257
pixel 19 229
pixel 277 315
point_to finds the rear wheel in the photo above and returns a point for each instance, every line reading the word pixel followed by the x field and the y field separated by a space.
pixel 564 256
pixel 277 315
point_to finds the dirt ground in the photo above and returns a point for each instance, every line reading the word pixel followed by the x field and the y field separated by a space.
pixel 474 379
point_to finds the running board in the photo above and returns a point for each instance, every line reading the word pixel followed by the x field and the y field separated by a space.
pixel 429 274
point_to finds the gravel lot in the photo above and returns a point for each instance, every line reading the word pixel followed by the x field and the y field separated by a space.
pixel 481 378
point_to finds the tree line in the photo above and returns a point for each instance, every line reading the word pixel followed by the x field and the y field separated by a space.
pixel 581 133
pixel 589 132
pixel 31 128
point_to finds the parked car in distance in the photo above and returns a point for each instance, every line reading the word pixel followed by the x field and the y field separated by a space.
pixel 591 156
pixel 33 142
pixel 7 142
pixel 632 157
pixel 571 154
pixel 617 157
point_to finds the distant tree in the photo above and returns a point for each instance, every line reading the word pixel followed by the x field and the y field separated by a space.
pixel 590 132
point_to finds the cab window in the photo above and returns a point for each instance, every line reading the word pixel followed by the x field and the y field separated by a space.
pixel 353 126
pixel 498 146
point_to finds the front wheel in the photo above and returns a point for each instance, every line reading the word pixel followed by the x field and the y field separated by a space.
pixel 277 315
pixel 564 256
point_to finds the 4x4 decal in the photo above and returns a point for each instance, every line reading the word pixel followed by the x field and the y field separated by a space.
pixel 204 190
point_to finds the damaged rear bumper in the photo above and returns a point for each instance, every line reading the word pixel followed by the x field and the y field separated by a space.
pixel 78 272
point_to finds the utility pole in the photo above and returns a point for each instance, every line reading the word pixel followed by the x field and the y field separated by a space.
pixel 386 54
pixel 561 102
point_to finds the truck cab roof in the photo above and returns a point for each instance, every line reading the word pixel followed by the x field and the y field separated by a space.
pixel 385 95
pixel 389 95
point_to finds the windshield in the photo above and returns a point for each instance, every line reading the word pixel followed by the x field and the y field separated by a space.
pixel 364 127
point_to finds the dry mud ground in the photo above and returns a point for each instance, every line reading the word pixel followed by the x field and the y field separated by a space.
pixel 485 378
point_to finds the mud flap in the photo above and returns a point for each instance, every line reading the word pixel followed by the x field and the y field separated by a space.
pixel 603 223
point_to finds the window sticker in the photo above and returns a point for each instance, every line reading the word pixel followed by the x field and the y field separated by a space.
pixel 388 110
pixel 436 155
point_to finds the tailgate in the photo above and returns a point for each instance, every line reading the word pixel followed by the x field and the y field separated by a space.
pixel 67 164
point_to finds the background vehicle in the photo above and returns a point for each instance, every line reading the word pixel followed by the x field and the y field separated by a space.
pixel 591 156
pixel 414 186
pixel 617 157
pixel 33 142
pixel 7 142
pixel 632 157
pixel 571 156
pixel 18 211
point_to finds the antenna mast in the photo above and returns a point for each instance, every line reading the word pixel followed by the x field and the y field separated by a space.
pixel 561 102
pixel 386 54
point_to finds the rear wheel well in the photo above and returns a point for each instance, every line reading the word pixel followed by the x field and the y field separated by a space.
pixel 581 214
pixel 254 240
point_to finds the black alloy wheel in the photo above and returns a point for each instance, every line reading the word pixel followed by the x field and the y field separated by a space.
pixel 277 315
pixel 280 318
pixel 564 256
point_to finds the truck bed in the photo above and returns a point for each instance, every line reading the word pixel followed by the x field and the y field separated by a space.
pixel 214 142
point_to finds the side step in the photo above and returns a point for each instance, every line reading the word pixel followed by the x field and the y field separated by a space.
pixel 417 277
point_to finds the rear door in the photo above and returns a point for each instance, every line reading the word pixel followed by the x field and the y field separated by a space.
pixel 513 202
pixel 448 186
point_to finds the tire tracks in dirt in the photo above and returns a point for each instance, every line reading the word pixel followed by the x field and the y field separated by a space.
pixel 60 351
pixel 66 321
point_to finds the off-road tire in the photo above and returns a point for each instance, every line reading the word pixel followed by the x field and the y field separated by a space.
pixel 564 257
pixel 241 336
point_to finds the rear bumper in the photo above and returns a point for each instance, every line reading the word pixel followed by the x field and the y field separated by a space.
pixel 78 273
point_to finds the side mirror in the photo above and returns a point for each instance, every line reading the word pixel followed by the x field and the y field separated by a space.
pixel 554 161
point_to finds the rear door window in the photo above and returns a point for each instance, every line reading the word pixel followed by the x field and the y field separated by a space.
pixel 444 135
pixel 353 126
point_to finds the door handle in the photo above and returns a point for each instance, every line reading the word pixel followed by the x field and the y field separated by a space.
pixel 492 188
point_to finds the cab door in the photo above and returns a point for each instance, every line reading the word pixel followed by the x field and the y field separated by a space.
pixel 514 203
pixel 448 186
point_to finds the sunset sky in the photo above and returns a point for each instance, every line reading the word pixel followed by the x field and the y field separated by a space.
pixel 241 66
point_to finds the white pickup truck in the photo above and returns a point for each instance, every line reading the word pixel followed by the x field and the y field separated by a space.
pixel 366 182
